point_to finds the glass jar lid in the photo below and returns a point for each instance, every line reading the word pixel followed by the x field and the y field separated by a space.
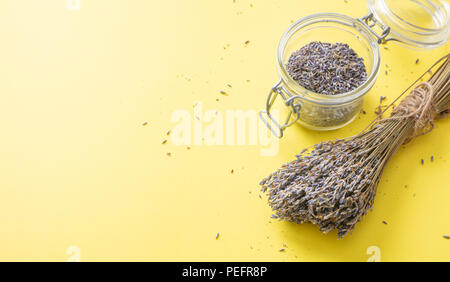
pixel 417 24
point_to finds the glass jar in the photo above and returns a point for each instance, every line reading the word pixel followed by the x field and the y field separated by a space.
pixel 388 20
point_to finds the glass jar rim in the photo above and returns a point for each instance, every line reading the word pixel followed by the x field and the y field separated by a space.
pixel 318 98
pixel 410 34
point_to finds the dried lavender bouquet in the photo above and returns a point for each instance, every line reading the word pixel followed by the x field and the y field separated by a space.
pixel 333 184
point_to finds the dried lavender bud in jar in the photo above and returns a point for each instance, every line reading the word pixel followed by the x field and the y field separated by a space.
pixel 327 68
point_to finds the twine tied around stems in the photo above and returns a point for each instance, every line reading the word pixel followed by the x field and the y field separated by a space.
pixel 419 106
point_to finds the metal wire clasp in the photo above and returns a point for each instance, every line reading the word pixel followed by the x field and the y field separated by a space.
pixel 289 101
pixel 370 22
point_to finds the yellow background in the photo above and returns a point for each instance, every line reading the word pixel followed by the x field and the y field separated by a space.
pixel 78 168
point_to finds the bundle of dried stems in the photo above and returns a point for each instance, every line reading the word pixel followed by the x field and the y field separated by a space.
pixel 333 184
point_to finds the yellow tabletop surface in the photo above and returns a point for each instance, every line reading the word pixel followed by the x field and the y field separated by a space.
pixel 89 91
